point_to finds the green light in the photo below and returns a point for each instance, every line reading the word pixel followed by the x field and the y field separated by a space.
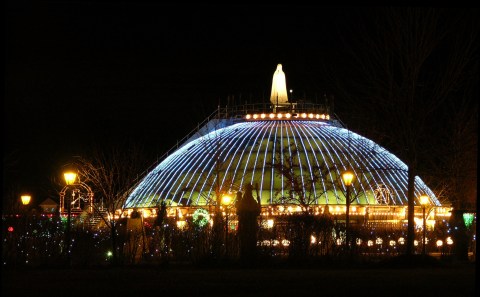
pixel 468 219
pixel 201 217
pixel 109 254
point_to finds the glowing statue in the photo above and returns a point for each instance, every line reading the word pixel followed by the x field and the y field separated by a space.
pixel 279 87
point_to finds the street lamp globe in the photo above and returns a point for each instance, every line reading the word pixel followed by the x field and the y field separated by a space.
pixel 424 200
pixel 70 178
pixel 347 177
pixel 25 199
pixel 226 200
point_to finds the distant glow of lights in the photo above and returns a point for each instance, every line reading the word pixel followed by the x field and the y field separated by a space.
pixel 392 243
pixel 379 240
pixel 468 219
pixel 449 240
pixel 10 229
pixel 263 116
pixel 401 240
pixel 370 243
pixel 439 243
pixel 109 254
pixel 415 242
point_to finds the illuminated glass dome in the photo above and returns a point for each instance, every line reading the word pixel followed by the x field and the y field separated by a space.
pixel 272 154
pixel 292 153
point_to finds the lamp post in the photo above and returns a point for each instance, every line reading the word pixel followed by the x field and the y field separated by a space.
pixel 70 178
pixel 226 200
pixel 25 201
pixel 424 201
pixel 347 177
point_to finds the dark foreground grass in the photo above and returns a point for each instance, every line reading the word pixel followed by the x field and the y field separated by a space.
pixel 452 281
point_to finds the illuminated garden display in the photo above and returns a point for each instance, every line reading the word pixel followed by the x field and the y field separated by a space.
pixel 293 154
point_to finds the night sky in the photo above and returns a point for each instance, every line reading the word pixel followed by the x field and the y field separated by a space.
pixel 83 72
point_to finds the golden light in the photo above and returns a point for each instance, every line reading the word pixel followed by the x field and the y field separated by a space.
pixel 449 240
pixel 271 115
pixel 70 178
pixel 263 115
pixel 226 200
pixel 439 243
pixel 347 177
pixel 181 224
pixel 288 115
pixel 424 200
pixel 270 223
pixel 248 116
pixel 25 199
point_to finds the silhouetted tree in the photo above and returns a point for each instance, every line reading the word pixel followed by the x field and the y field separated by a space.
pixel 401 65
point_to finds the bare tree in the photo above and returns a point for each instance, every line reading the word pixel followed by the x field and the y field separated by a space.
pixel 405 64
pixel 111 171
pixel 301 189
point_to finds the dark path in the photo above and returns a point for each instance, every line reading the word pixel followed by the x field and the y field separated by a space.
pixel 452 281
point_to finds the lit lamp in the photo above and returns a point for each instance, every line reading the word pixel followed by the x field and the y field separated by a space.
pixel 347 177
pixel 26 199
pixel 226 200
pixel 70 178
pixel 424 201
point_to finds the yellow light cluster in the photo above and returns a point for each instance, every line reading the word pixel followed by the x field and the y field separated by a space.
pixel 288 116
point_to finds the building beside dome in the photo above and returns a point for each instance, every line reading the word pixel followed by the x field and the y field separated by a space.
pixel 293 154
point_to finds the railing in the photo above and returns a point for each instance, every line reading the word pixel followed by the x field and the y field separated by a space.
pixel 238 112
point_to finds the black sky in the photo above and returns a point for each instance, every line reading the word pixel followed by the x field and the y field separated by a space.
pixel 78 73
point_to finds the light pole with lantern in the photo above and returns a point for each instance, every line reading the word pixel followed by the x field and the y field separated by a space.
pixel 70 178
pixel 347 177
pixel 424 202
pixel 226 200
pixel 25 202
